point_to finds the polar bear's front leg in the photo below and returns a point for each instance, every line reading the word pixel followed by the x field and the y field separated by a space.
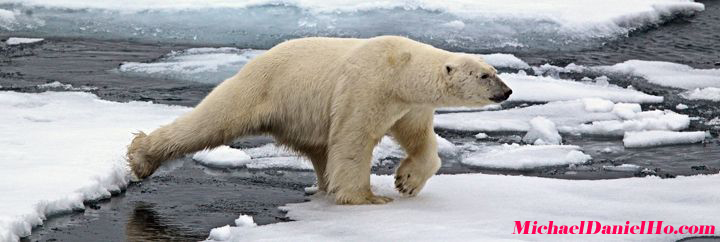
pixel 348 171
pixel 415 134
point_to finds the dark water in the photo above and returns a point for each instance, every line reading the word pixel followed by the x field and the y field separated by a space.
pixel 185 202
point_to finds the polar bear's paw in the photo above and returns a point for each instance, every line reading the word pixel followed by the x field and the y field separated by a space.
pixel 360 199
pixel 411 176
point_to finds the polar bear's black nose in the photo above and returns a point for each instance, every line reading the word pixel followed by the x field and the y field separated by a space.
pixel 503 97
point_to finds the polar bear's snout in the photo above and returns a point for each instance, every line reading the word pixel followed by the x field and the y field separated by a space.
pixel 502 92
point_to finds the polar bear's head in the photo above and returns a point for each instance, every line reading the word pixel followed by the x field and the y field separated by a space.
pixel 473 82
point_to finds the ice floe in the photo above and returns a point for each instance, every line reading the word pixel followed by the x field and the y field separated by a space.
pixel 657 138
pixel 623 168
pixel 19 41
pixel 222 156
pixel 585 116
pixel 205 65
pixel 668 73
pixel 542 132
pixel 521 157
pixel 708 93
pixel 485 207
pixel 545 89
pixel 62 148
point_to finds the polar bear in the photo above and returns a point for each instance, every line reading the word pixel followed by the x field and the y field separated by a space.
pixel 332 100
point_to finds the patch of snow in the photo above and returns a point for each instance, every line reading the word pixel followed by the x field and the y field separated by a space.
pixel 222 156
pixel 659 138
pixel 245 221
pixel 569 117
pixel 542 132
pixel 521 157
pixel 62 148
pixel 220 234
pixel 19 41
pixel 485 207
pixel 623 168
pixel 481 136
pixel 505 60
pixel 681 106
pixel 545 89
pixel 668 74
pixel 708 93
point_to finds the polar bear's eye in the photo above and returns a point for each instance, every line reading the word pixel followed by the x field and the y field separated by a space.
pixel 485 76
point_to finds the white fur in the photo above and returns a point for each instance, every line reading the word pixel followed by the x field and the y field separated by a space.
pixel 332 100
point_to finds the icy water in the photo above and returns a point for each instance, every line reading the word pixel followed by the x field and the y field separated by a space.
pixel 187 200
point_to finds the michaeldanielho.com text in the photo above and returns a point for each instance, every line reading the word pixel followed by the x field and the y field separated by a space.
pixel 595 227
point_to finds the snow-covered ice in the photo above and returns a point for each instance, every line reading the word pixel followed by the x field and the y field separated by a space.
pixel 61 148
pixel 658 138
pixel 505 60
pixel 576 117
pixel 545 89
pixel 205 65
pixel 623 168
pixel 485 207
pixel 542 132
pixel 668 73
pixel 18 40
pixel 708 93
pixel 222 156
pixel 519 157
pixel 481 136
pixel 460 24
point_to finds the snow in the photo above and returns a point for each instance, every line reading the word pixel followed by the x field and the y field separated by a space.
pixel 222 156
pixel 481 136
pixel 485 207
pixel 545 89
pixel 460 24
pixel 708 93
pixel 224 233
pixel 658 138
pixel 623 168
pixel 205 65
pixel 542 132
pixel 505 60
pixel 681 106
pixel 245 221
pixel 65 87
pixel 569 116
pixel 62 148
pixel 668 74
pixel 19 41
pixel 523 157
